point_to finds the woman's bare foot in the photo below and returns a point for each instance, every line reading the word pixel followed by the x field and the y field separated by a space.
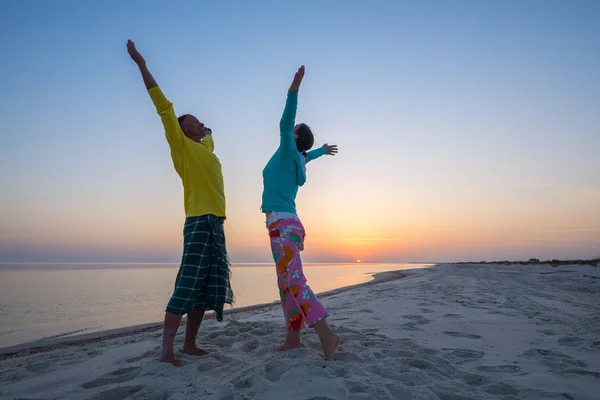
pixel 330 347
pixel 194 351
pixel 291 346
pixel 329 340
pixel 292 340
pixel 171 360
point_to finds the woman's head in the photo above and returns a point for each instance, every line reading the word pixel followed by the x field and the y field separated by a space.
pixel 304 138
pixel 191 127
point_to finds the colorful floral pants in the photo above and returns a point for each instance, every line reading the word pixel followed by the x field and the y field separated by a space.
pixel 300 305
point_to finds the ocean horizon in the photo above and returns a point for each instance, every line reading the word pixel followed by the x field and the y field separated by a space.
pixel 10 265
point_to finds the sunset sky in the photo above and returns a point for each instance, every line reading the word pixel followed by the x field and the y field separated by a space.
pixel 467 130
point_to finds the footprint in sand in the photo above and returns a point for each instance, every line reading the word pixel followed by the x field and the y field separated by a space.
pixel 417 319
pixel 236 396
pixel 392 374
pixel 463 355
pixel 221 358
pixel 38 367
pixel 145 394
pixel 274 369
pixel 224 341
pixel 206 365
pixel 355 387
pixel 569 341
pixel 453 396
pixel 475 380
pixel 501 389
pixel 244 383
pixel 547 332
pixel 231 331
pixel 463 335
pixel 119 392
pixel 411 326
pixel 118 376
pixel 148 354
pixel 421 364
pixel 343 372
pixel 450 315
pixel 584 372
pixel 213 335
pixel 342 356
pixel 511 369
pixel 397 353
pixel 553 358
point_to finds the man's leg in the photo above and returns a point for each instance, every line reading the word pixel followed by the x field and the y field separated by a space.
pixel 194 319
pixel 172 322
pixel 188 284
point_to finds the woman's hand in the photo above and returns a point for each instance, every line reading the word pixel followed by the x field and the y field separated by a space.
pixel 331 149
pixel 297 80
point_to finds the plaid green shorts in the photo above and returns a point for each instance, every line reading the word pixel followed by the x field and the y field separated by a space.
pixel 203 280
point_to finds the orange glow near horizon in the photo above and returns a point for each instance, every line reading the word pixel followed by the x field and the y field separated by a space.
pixel 406 233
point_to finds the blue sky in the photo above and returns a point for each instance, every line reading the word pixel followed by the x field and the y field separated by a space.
pixel 467 129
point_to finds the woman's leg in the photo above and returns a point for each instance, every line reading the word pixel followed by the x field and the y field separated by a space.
pixel 307 305
pixel 282 255
pixel 313 311
pixel 301 306
pixel 329 340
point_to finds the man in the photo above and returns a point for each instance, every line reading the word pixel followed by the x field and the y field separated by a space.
pixel 203 280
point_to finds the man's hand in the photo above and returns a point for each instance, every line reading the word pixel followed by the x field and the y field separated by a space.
pixel 141 63
pixel 331 150
pixel 297 80
pixel 134 54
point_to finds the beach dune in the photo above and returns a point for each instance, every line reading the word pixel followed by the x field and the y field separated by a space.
pixel 451 332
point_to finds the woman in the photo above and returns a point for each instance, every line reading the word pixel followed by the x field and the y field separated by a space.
pixel 282 176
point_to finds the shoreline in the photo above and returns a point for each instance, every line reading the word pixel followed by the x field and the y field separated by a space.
pixel 53 343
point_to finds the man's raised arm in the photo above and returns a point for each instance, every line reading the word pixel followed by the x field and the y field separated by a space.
pixel 141 63
pixel 164 108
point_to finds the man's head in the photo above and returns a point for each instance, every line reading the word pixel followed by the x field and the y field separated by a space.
pixel 191 127
pixel 304 138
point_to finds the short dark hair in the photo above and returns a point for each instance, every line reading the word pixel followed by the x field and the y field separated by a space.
pixel 305 140
pixel 180 119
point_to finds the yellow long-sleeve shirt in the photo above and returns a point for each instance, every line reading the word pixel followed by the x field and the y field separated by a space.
pixel 196 163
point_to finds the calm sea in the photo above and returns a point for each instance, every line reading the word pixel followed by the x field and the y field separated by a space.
pixel 51 300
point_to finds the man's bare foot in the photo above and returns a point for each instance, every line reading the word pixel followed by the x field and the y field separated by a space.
pixel 291 346
pixel 330 348
pixel 171 360
pixel 194 351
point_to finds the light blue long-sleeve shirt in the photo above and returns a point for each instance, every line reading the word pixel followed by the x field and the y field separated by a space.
pixel 285 171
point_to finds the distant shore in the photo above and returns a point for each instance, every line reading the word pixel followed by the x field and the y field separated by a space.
pixel 594 262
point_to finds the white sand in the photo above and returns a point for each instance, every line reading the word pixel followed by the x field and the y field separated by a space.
pixel 452 332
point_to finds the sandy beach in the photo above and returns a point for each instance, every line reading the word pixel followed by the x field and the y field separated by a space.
pixel 452 332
